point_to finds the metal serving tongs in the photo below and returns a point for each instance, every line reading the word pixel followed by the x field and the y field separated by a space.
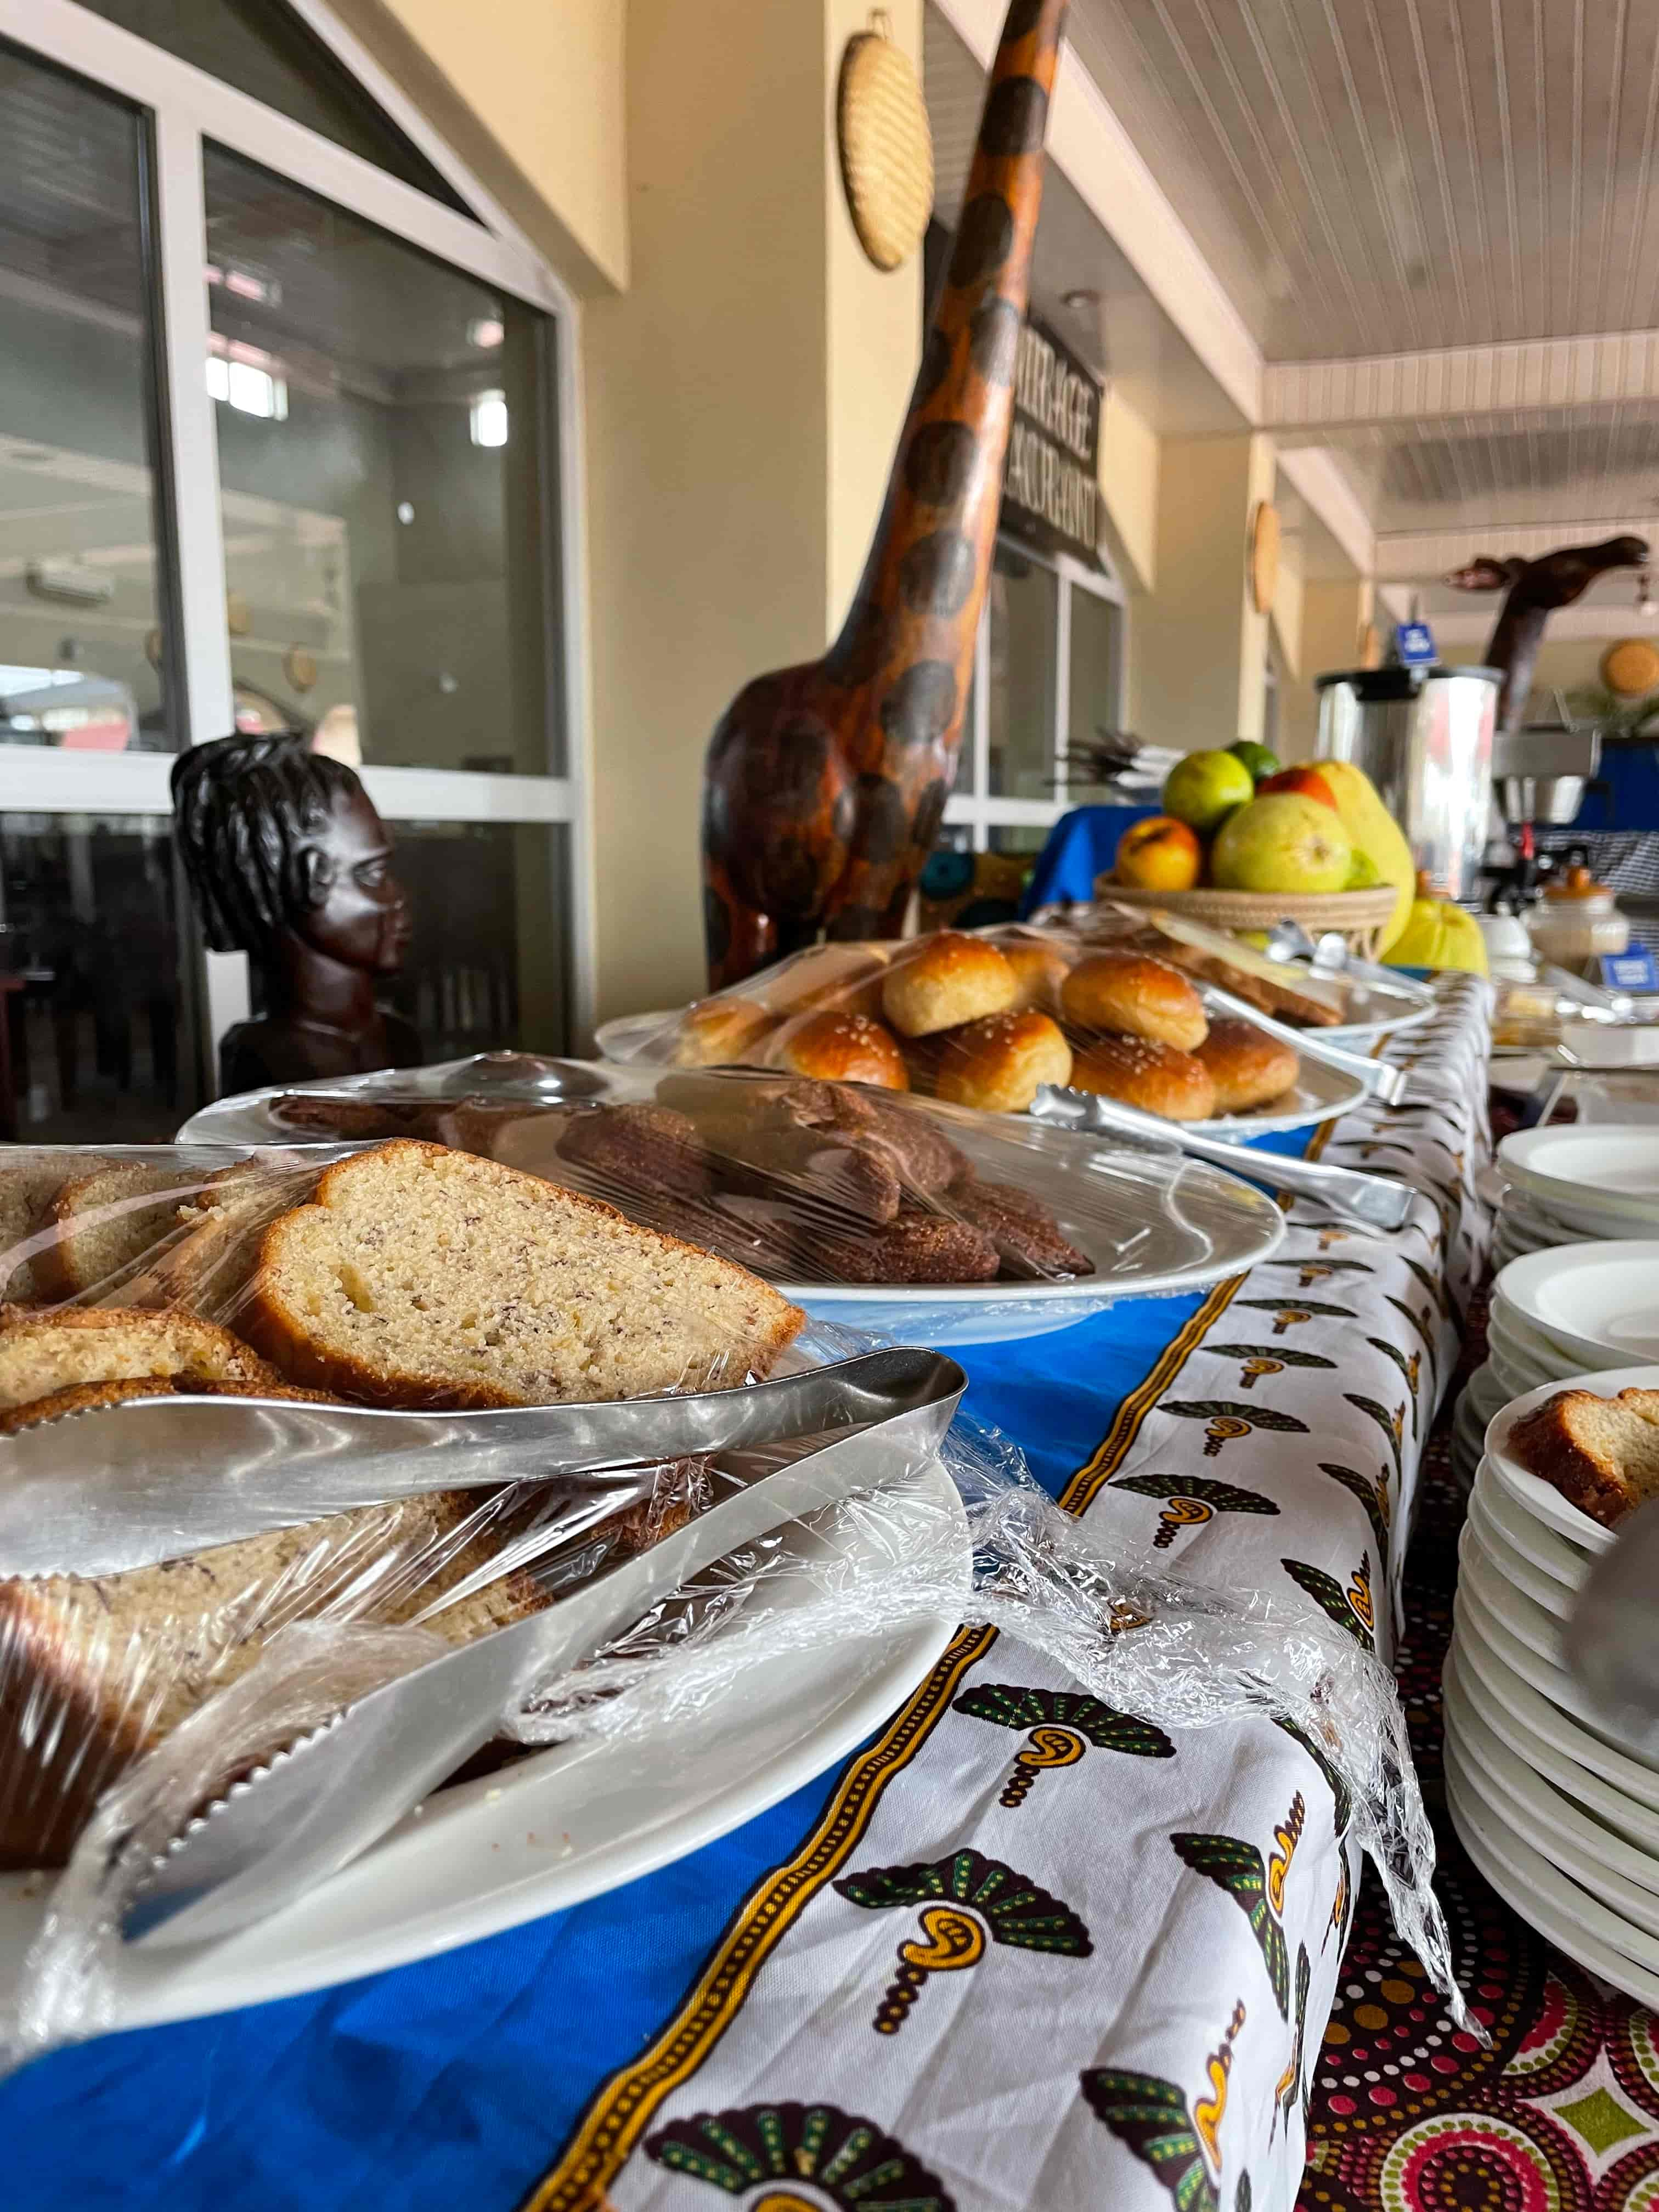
pixel 1377 1201
pixel 154 1478
pixel 1379 1077
pixel 320 1802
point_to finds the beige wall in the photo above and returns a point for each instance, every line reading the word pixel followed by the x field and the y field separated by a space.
pixel 1128 487
pixel 1572 663
pixel 743 399
pixel 1332 614
pixel 531 94
pixel 1201 649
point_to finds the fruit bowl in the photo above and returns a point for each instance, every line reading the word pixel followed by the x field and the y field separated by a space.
pixel 1360 917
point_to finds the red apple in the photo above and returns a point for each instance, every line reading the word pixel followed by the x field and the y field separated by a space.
pixel 1307 780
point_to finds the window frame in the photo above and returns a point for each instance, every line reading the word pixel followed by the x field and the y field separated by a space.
pixel 181 108
pixel 976 810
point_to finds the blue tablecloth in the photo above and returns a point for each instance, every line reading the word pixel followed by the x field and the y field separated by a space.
pixel 454 2083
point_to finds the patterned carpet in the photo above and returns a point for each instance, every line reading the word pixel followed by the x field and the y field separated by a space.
pixel 1562 2114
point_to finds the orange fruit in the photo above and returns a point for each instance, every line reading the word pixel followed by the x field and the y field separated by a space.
pixel 1161 854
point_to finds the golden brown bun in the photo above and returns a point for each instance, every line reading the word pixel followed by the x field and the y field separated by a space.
pixel 1247 1067
pixel 950 978
pixel 1139 1071
pixel 717 1032
pixel 1133 994
pixel 997 1063
pixel 1039 971
pixel 842 1048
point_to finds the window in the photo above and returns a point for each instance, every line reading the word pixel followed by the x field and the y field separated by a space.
pixel 1048 677
pixel 323 491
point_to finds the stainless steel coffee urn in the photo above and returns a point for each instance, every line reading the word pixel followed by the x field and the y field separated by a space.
pixel 1425 739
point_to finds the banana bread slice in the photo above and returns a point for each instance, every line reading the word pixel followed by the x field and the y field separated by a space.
pixel 29 1184
pixel 108 1222
pixel 424 1277
pixel 1601 1454
pixel 41 1353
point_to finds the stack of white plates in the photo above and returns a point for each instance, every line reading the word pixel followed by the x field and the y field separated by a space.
pixel 1562 1185
pixel 1573 1179
pixel 1560 1817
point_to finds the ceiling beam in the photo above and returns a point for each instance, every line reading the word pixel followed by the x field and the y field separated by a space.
pixel 1315 474
pixel 1605 368
pixel 1421 557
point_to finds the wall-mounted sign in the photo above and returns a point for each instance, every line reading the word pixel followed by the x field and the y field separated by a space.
pixel 1413 645
pixel 1051 480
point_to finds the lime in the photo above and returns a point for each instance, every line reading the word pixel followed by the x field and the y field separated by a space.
pixel 1260 762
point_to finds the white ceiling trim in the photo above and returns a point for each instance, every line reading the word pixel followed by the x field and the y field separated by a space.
pixel 1461 380
pixel 1592 623
pixel 1415 556
pixel 1089 143
pixel 1317 476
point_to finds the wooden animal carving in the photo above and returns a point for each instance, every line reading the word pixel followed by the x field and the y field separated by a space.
pixel 1534 590
pixel 825 784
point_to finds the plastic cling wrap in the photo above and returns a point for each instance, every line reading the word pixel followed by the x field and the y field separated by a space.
pixel 888 1211
pixel 987 1018
pixel 979 1542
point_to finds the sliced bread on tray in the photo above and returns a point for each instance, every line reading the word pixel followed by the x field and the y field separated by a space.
pixel 424 1277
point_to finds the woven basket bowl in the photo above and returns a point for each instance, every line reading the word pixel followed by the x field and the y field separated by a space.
pixel 1361 916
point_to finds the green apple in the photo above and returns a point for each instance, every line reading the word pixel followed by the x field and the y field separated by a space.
pixel 1364 875
pixel 1284 843
pixel 1260 763
pixel 1202 789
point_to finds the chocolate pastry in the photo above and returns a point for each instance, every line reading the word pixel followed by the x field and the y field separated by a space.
pixel 1025 1233
pixel 925 1159
pixel 319 1114
pixel 917 1248
pixel 635 1150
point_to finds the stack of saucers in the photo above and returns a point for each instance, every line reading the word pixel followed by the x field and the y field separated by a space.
pixel 1561 1818
pixel 1562 1185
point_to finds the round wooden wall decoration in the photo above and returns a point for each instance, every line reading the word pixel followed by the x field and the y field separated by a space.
pixel 1264 554
pixel 1630 667
pixel 886 147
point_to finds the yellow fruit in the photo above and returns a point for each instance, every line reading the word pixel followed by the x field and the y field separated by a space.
pixel 1439 935
pixel 1375 833
pixel 1202 789
pixel 1285 843
pixel 1160 855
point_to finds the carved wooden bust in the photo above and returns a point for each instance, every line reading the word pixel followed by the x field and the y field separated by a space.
pixel 290 863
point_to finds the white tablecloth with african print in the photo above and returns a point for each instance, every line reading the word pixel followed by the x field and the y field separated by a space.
pixel 1022 1950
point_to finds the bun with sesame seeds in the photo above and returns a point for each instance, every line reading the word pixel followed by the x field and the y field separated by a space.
pixel 843 1047
pixel 999 1064
pixel 1139 1072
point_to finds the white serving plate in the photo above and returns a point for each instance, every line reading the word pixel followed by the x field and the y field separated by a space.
pixel 1201 1225
pixel 1539 1499
pixel 567 1823
pixel 1528 1341
pixel 1499 1558
pixel 1602 1168
pixel 1624 1877
pixel 1526 1537
pixel 1598 1301
pixel 1483 1578
pixel 1529 1729
pixel 1512 1377
pixel 1565 1915
pixel 1321 1094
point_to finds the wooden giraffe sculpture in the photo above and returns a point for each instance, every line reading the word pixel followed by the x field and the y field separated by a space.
pixel 825 784
pixel 1535 590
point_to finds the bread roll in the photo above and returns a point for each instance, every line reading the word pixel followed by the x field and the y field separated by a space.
pixel 839 1047
pixel 1134 995
pixel 717 1032
pixel 950 978
pixel 1139 1071
pixel 1247 1067
pixel 997 1063
pixel 1039 971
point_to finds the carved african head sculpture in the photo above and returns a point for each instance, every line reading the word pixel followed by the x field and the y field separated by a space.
pixel 826 784
pixel 1533 591
pixel 289 862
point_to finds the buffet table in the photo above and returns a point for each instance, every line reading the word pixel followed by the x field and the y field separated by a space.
pixel 805 2012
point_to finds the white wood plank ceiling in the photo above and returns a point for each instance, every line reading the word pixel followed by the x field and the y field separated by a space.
pixel 1437 221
